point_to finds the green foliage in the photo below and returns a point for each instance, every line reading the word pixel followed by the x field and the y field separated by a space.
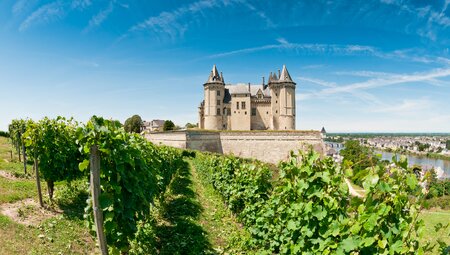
pixel 439 188
pixel 133 173
pixel 53 143
pixel 357 157
pixel 190 125
pixel 308 210
pixel 133 124
pixel 447 144
pixel 4 134
pixel 16 130
pixel 422 146
pixel 168 125
pixel 241 184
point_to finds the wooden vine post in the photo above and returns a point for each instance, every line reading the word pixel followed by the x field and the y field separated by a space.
pixel 38 181
pixel 94 162
pixel 24 158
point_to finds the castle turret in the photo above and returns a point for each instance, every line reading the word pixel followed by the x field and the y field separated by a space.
pixel 282 90
pixel 214 89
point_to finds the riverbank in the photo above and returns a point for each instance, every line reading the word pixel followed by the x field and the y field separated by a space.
pixel 432 155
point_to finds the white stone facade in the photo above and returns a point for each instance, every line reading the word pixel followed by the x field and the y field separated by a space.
pixel 248 107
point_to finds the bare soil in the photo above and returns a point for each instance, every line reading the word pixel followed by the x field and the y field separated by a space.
pixel 26 212
pixel 8 175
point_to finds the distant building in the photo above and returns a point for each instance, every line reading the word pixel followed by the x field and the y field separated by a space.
pixel 248 107
pixel 153 126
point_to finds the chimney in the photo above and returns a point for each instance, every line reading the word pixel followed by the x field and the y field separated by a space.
pixel 263 82
pixel 249 87
pixel 279 74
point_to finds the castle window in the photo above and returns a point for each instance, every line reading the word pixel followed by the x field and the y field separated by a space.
pixel 253 111
pixel 218 111
pixel 276 102
pixel 245 112
pixel 267 112
pixel 224 111
pixel 243 105
pixel 229 111
pixel 276 94
pixel 276 111
pixel 237 105
pixel 218 92
pixel 218 102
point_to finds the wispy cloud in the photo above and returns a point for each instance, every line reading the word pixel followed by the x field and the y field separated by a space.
pixel 261 14
pixel 337 49
pixel 22 5
pixel 362 95
pixel 392 80
pixel 435 20
pixel 406 106
pixel 360 89
pixel 283 44
pixel 173 24
pixel 100 17
pixel 81 4
pixel 43 15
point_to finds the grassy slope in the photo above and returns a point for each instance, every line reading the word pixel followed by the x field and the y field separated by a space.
pixel 64 233
pixel 431 218
pixel 192 219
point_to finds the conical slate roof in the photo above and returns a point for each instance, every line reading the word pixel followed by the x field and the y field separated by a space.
pixel 285 75
pixel 214 76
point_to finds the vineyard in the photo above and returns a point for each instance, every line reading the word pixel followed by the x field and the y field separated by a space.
pixel 124 195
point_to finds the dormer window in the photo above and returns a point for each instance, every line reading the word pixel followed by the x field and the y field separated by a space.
pixel 218 92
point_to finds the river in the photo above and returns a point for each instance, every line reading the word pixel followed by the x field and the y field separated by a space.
pixel 425 162
pixel 441 165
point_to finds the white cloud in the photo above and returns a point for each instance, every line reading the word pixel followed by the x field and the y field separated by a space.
pixel 435 20
pixel 392 80
pixel 20 6
pixel 283 44
pixel 406 106
pixel 44 14
pixel 81 4
pixel 100 17
pixel 168 22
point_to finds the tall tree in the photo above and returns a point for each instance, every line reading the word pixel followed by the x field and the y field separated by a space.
pixel 168 125
pixel 358 157
pixel 133 124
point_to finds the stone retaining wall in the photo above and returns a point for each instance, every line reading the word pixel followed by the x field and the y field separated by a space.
pixel 267 146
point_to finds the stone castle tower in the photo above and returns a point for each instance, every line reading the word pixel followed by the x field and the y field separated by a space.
pixel 248 107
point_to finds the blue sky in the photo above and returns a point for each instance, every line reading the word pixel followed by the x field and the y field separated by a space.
pixel 359 65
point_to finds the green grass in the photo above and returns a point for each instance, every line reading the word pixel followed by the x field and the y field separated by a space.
pixel 14 190
pixel 225 234
pixel 431 219
pixel 11 165
pixel 57 235
pixel 62 234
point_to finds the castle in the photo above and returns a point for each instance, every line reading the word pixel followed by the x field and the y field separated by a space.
pixel 248 107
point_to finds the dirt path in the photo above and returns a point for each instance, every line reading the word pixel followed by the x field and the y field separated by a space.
pixel 27 212
pixel 215 218
pixel 8 175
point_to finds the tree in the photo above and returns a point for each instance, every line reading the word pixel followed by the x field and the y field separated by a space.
pixel 358 157
pixel 190 125
pixel 447 145
pixel 168 125
pixel 133 124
